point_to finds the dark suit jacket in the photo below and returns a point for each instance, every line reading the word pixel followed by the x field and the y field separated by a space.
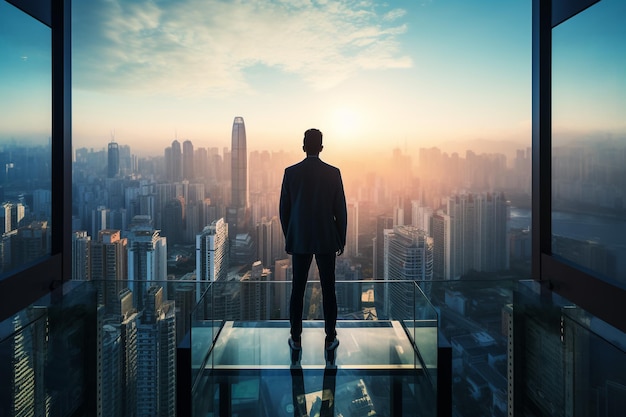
pixel 313 208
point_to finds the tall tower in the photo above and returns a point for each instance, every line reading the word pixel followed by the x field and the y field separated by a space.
pixel 239 165
pixel 113 167
pixel 176 174
pixel 188 172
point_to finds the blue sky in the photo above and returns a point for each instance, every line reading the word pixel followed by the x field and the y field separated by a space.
pixel 25 73
pixel 369 74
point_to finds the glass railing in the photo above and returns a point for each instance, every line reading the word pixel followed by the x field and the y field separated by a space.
pixel 48 355
pixel 517 349
pixel 241 358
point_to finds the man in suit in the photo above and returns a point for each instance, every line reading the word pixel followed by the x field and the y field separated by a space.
pixel 313 215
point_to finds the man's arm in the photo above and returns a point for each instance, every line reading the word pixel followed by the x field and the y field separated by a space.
pixel 341 214
pixel 284 207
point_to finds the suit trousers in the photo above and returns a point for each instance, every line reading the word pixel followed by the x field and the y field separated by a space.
pixel 326 266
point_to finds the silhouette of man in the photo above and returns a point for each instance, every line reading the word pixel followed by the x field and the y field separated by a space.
pixel 314 219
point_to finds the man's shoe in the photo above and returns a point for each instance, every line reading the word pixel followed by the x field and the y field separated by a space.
pixel 296 351
pixel 330 351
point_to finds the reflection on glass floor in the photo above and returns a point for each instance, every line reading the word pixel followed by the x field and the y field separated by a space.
pixel 377 372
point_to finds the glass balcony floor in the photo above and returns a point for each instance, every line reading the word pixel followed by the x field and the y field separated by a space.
pixel 363 344
pixel 377 372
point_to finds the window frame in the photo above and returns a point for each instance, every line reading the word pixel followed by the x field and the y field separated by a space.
pixel 27 284
pixel 598 297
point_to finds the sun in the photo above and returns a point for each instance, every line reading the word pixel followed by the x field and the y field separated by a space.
pixel 346 122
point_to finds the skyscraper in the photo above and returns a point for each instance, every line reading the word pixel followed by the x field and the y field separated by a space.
pixel 156 356
pixel 212 253
pixel 255 296
pixel 408 256
pixel 239 165
pixel 477 233
pixel 113 167
pixel 441 246
pixel 352 244
pixel 172 222
pixel 238 213
pixel 147 257
pixel 108 265
pixel 81 255
pixel 187 161
pixel 382 222
pixel 174 162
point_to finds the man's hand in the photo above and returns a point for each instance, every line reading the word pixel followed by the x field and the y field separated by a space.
pixel 339 252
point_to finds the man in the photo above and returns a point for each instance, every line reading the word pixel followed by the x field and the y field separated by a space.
pixel 313 215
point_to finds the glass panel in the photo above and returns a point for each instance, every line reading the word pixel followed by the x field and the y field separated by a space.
pixel 25 132
pixel 48 356
pixel 476 318
pixel 589 141
pixel 382 359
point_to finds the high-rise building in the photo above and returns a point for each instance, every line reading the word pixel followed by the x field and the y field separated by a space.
pixel 22 392
pixel 382 223
pixel 352 236
pixel 11 216
pixel 254 295
pixel 421 216
pixel 156 356
pixel 30 242
pixel 172 221
pixel 42 204
pixel 408 255
pixel 108 265
pixel 174 162
pixel 81 255
pixel 201 163
pixel 113 158
pixel 99 219
pixel 270 241
pixel 282 276
pixel 187 161
pixel 238 214
pixel 478 234
pixel 212 252
pixel 239 165
pixel 441 246
pixel 147 257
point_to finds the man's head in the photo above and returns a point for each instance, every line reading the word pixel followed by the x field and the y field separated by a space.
pixel 312 142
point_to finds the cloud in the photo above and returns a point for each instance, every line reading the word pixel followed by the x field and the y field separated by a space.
pixel 204 46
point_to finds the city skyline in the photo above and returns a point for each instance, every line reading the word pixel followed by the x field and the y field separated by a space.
pixel 375 75
pixel 345 68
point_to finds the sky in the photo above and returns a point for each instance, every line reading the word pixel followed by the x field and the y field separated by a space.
pixel 371 75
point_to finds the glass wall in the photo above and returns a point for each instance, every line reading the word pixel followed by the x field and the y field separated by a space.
pixel 25 139
pixel 589 141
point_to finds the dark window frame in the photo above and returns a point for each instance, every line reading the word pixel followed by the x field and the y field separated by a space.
pixel 31 282
pixel 598 297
